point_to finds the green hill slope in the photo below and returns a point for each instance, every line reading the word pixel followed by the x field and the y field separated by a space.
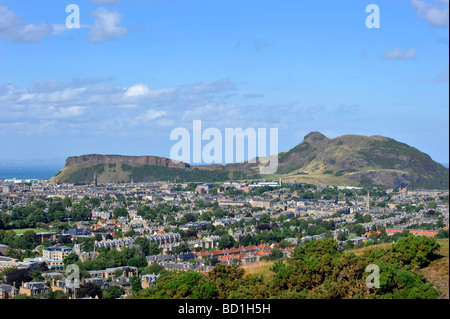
pixel 355 159
pixel 125 173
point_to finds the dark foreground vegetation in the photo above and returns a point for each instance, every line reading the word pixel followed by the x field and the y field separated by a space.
pixel 317 270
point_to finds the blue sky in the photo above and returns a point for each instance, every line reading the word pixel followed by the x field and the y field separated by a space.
pixel 137 69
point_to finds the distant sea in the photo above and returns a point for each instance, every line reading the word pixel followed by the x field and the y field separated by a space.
pixel 43 171
pixel 29 172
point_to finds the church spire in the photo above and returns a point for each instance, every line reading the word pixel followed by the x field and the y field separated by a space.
pixel 368 202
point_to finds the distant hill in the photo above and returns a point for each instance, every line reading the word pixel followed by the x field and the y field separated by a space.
pixel 373 160
pixel 124 169
pixel 344 160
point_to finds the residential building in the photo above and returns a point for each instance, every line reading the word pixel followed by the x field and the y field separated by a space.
pixel 33 288
pixel 148 280
pixel 57 252
pixel 8 291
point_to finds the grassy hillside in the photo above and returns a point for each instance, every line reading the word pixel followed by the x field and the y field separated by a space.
pixel 437 272
pixel 361 160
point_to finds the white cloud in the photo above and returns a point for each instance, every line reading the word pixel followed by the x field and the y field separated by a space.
pixel 137 90
pixel 25 96
pixel 434 15
pixel 91 106
pixel 105 26
pixel 58 96
pixel 143 90
pixel 150 115
pixel 68 112
pixel 144 118
pixel 14 29
pixel 399 54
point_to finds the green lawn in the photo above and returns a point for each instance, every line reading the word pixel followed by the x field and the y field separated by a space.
pixel 36 230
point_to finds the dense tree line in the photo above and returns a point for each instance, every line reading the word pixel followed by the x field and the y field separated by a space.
pixel 39 212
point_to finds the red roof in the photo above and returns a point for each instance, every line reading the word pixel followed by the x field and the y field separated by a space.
pixel 428 233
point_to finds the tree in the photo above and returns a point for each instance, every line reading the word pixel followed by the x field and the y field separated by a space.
pixel 154 268
pixel 190 217
pixel 264 219
pixel 206 216
pixel 55 211
pixel 66 202
pixel 226 241
pixel 28 240
pixel 358 229
pixel 219 213
pixel 80 212
pixel 275 254
pixel 144 244
pixel 143 210
pixel 153 249
pixel 15 277
pixel 94 201
pixel 442 234
pixel 113 292
pixel 247 240
pixel 57 294
pixel 349 244
pixel 23 296
pixel 342 236
pixel 120 212
pixel 89 289
pixel 415 250
pixel 137 262
pixel 136 285
pixel 130 233
pixel 72 258
pixel 181 248
pixel 176 285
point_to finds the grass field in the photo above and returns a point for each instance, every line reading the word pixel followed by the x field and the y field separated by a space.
pixel 261 267
pixel 438 270
pixel 36 230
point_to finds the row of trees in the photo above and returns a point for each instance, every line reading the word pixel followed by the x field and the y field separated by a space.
pixel 40 213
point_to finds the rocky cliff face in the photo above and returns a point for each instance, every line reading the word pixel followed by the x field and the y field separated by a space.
pixel 119 159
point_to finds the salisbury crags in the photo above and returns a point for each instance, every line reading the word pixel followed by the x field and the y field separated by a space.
pixel 120 159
